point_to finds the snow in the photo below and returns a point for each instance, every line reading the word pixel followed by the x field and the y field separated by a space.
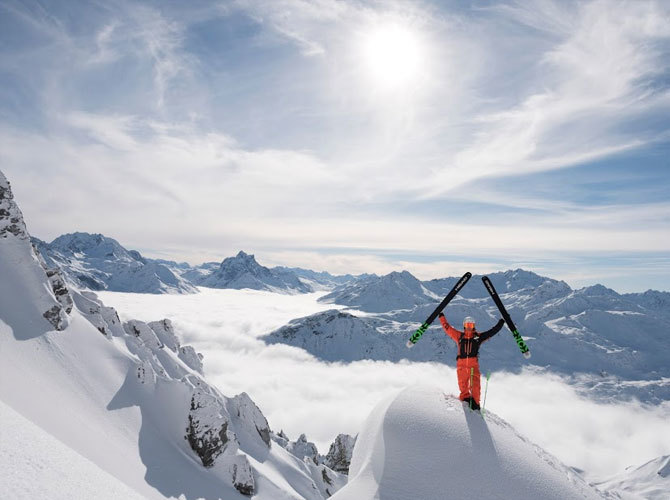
pixel 391 292
pixel 591 331
pixel 242 271
pixel 119 396
pixel 98 262
pixel 301 394
pixel 650 481
pixel 34 464
pixel 127 398
pixel 424 444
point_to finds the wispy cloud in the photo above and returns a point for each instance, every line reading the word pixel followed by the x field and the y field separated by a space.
pixel 256 125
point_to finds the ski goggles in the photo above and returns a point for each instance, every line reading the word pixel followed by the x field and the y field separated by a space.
pixel 470 326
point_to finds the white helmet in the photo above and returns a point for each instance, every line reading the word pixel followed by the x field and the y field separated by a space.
pixel 469 320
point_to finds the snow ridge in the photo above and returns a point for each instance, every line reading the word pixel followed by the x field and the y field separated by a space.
pixel 424 444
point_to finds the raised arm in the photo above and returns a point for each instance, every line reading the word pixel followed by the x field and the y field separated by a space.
pixel 483 337
pixel 448 329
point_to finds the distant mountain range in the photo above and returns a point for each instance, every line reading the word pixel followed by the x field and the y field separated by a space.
pixel 97 262
pixel 593 334
pixel 127 398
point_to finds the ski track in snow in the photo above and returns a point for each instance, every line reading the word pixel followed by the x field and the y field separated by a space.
pixel 299 393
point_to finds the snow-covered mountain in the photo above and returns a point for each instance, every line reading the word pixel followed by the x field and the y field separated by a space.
pixel 321 280
pixel 242 271
pixel 650 481
pixel 96 262
pixel 616 343
pixel 397 290
pixel 424 444
pixel 126 402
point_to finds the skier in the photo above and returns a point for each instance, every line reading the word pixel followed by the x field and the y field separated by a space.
pixel 467 363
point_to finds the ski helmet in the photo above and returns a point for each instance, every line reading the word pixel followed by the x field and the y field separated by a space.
pixel 469 322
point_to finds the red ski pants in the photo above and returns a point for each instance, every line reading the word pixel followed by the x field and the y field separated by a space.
pixel 469 381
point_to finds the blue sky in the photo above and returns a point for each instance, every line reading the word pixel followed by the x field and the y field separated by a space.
pixel 349 136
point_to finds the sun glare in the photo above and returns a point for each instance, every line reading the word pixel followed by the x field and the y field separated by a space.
pixel 393 56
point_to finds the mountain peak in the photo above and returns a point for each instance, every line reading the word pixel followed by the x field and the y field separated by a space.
pixel 243 271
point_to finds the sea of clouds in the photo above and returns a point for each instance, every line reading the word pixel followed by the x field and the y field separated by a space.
pixel 300 394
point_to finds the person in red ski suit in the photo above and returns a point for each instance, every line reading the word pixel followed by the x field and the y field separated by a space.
pixel 467 363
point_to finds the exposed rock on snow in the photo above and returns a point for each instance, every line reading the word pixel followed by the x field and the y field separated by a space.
pixel 96 262
pixel 327 480
pixel 207 432
pixel 242 271
pixel 423 444
pixel 25 284
pixel 304 449
pixel 104 318
pixel 339 454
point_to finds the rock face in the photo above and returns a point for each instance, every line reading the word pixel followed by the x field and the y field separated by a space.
pixel 304 449
pixel 96 262
pixel 327 480
pixel 242 271
pixel 37 286
pixel 339 454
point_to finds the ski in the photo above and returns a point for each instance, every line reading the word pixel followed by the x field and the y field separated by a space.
pixel 424 326
pixel 510 324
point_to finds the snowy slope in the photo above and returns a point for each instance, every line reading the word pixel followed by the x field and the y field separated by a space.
pixel 424 444
pixel 242 271
pixel 55 471
pixel 650 481
pixel 128 398
pixel 96 262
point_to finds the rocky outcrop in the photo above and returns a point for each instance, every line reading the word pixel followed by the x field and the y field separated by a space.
pixel 303 449
pixel 104 318
pixel 339 454
pixel 210 436
pixel 11 218
pixel 207 432
pixel 18 257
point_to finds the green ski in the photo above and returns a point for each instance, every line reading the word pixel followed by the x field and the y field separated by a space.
pixel 510 324
pixel 424 326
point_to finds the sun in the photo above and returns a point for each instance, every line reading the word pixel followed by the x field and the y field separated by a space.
pixel 393 55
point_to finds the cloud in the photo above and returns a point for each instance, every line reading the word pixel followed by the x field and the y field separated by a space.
pixel 300 394
pixel 222 136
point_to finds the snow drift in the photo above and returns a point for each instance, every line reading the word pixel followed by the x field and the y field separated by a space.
pixel 425 444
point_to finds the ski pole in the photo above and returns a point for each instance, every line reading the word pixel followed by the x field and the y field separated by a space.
pixel 472 375
pixel 486 389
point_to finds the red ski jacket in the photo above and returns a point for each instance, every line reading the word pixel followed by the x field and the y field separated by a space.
pixel 469 342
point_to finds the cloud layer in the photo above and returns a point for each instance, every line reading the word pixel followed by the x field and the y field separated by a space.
pixel 298 393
